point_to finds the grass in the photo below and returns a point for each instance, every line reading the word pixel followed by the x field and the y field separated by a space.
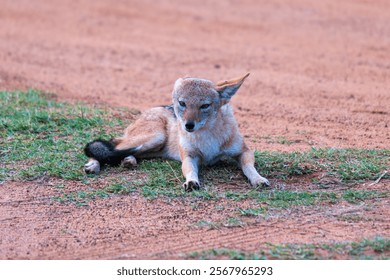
pixel 229 222
pixel 251 211
pixel 224 253
pixel 280 140
pixel 348 165
pixel 81 198
pixel 375 248
pixel 283 199
pixel 42 137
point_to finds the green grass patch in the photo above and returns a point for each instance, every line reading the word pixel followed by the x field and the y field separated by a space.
pixel 251 211
pixel 356 196
pixel 279 140
pixel 230 222
pixel 347 165
pixel 376 248
pixel 42 137
pixel 225 253
pixel 81 198
pixel 285 199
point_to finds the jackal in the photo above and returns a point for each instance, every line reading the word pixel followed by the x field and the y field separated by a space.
pixel 198 128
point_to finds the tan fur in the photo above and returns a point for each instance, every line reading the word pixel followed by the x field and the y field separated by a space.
pixel 239 80
pixel 201 130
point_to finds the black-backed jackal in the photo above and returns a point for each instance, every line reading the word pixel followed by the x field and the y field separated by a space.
pixel 199 128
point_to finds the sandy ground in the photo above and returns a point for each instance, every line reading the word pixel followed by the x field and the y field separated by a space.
pixel 320 77
pixel 131 227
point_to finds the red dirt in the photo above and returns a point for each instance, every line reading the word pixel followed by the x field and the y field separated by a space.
pixel 132 227
pixel 320 76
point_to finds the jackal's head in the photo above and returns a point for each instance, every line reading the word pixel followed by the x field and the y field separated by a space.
pixel 198 101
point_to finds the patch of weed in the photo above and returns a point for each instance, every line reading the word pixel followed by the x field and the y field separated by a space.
pixel 376 248
pixel 285 199
pixel 251 211
pixel 292 252
pixel 230 222
pixel 207 224
pixel 348 165
pixel 224 253
pixel 356 196
pixel 81 198
pixel 41 137
pixel 378 245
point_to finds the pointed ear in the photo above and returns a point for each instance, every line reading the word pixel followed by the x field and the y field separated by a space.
pixel 227 89
pixel 177 83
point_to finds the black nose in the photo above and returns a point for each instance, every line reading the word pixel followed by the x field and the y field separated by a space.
pixel 190 126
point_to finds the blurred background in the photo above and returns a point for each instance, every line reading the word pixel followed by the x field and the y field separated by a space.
pixel 320 70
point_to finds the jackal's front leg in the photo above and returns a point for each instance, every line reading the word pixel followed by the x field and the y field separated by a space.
pixel 247 162
pixel 190 167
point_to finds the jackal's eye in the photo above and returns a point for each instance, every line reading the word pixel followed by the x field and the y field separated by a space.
pixel 205 106
pixel 182 104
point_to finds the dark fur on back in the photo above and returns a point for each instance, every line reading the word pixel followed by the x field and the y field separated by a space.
pixel 105 153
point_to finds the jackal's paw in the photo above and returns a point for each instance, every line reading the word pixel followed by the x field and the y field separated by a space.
pixel 191 185
pixel 260 182
pixel 92 167
pixel 129 161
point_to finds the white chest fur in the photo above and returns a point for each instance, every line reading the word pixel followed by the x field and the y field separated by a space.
pixel 210 147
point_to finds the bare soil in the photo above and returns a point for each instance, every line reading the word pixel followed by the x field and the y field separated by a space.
pixel 320 77
pixel 132 227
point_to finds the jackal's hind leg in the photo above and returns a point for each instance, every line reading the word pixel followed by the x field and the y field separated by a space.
pixel 129 161
pixel 145 143
pixel 92 166
pixel 142 139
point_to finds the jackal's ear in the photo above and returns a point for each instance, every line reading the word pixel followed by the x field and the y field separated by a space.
pixel 177 83
pixel 227 89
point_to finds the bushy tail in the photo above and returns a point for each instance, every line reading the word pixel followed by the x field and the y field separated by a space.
pixel 105 153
